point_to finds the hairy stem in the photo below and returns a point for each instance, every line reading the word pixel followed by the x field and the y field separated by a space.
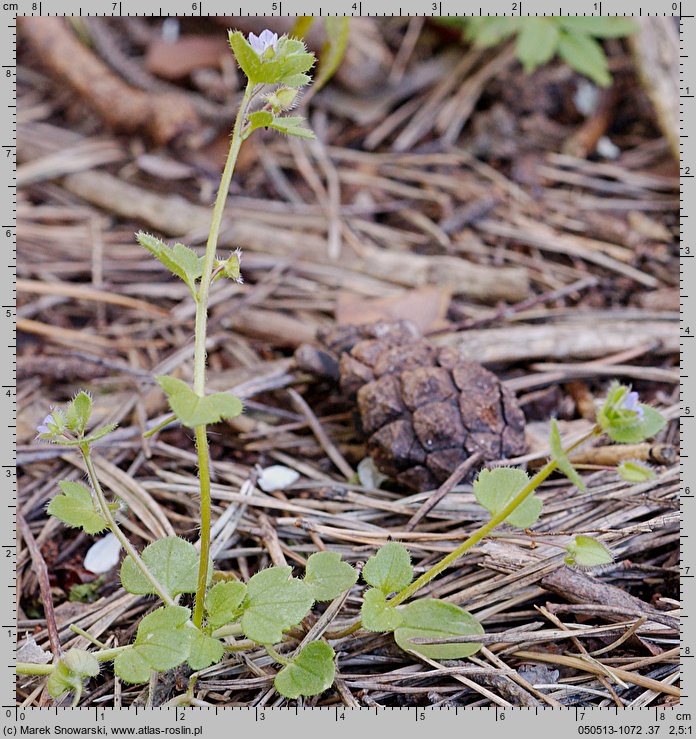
pixel 486 529
pixel 86 635
pixel 108 654
pixel 228 630
pixel 29 668
pixel 169 419
pixel 199 349
pixel 122 538
pixel 275 655
pixel 204 478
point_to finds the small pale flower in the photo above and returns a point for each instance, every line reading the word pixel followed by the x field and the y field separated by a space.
pixel 43 428
pixel 630 403
pixel 264 41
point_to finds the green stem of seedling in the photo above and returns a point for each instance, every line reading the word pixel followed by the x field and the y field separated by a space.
pixel 276 656
pixel 86 635
pixel 29 668
pixel 204 478
pixel 486 529
pixel 199 350
pixel 241 646
pixel 122 538
pixel 108 654
pixel 151 432
pixel 228 630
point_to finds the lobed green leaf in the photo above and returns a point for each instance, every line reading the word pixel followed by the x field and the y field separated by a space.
pixel 585 55
pixel 490 31
pixel 292 126
pixel 494 489
pixel 390 569
pixel 297 80
pixel 193 410
pixel 260 119
pixel 246 57
pixel 223 602
pixel 77 413
pixel 537 42
pixel 377 615
pixel 275 601
pixel 204 650
pixel 162 643
pixel 327 576
pixel 179 259
pixel 597 26
pixel 311 672
pixel 75 507
pixel 172 561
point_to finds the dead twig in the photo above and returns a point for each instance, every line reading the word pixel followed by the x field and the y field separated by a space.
pixel 44 585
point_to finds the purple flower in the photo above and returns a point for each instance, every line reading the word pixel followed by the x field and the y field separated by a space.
pixel 630 403
pixel 265 40
pixel 42 428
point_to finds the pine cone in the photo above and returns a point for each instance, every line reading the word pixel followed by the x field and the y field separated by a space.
pixel 424 409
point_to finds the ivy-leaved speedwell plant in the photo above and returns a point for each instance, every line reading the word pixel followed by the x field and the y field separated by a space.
pixel 273 601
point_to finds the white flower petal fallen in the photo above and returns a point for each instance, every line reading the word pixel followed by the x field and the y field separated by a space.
pixel 277 477
pixel 368 474
pixel 31 652
pixel 103 555
pixel 607 149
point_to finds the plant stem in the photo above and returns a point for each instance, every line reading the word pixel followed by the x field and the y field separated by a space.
pixel 228 630
pixel 484 530
pixel 81 632
pixel 122 538
pixel 199 349
pixel 169 419
pixel 29 668
pixel 241 646
pixel 277 657
pixel 345 630
pixel 203 564
pixel 107 654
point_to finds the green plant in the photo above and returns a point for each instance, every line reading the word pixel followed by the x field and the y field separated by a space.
pixel 273 601
pixel 538 40
pixel 337 30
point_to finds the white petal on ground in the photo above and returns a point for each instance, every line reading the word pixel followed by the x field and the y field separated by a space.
pixel 368 474
pixel 103 555
pixel 31 652
pixel 277 477
pixel 607 148
pixel 586 97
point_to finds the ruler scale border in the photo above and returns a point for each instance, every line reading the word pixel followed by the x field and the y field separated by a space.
pixel 654 720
